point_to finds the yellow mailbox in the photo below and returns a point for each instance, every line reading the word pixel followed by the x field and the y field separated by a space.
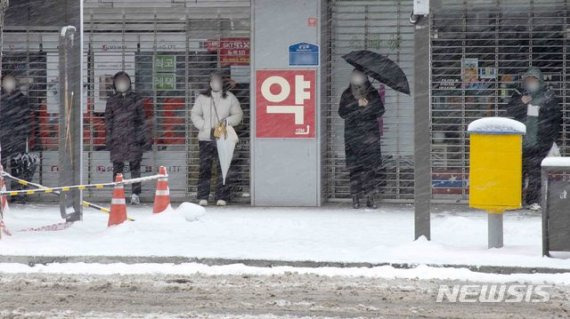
pixel 495 170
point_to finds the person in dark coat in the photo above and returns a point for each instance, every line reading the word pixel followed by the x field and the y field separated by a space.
pixel 360 107
pixel 126 130
pixel 15 128
pixel 538 107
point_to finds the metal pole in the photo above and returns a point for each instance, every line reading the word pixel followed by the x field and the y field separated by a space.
pixel 187 99
pixel 495 230
pixel 3 6
pixel 70 109
pixel 422 141
pixel 544 204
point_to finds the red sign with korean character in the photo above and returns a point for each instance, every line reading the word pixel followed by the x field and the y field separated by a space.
pixel 285 103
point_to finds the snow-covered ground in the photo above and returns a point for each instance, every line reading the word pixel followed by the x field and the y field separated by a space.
pixel 459 236
pixel 421 272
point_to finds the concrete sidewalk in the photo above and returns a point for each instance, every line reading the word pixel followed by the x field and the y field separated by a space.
pixel 336 236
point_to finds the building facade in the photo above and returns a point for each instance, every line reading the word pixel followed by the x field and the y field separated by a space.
pixel 477 51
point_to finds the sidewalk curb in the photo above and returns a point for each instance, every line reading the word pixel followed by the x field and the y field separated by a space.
pixel 43 260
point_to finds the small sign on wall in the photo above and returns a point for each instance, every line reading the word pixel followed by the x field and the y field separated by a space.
pixel 303 54
pixel 164 72
pixel 312 21
pixel 164 81
pixel 231 51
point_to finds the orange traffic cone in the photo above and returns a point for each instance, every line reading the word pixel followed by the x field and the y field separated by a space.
pixel 118 212
pixel 3 205
pixel 162 195
pixel 3 199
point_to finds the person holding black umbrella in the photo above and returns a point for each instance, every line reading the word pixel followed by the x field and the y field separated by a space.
pixel 360 107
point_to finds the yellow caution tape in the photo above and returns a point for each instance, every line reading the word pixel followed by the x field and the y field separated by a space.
pixel 43 189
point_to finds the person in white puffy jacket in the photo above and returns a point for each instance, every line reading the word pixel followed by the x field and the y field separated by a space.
pixel 213 107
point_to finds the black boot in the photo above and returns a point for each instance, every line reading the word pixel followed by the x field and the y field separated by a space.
pixel 355 202
pixel 370 202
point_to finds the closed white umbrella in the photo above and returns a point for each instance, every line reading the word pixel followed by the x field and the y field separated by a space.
pixel 226 145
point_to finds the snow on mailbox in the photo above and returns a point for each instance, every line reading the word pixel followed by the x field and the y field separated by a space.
pixel 495 169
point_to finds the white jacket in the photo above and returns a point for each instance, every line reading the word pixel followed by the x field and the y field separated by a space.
pixel 204 115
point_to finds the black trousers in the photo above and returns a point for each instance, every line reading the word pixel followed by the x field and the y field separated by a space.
pixel 532 171
pixel 16 171
pixel 209 155
pixel 135 167
pixel 364 180
pixel 364 163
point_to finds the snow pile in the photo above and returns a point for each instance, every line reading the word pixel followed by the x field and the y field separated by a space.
pixel 191 212
pixel 496 125
pixel 459 236
pixel 171 218
pixel 422 272
pixel 556 162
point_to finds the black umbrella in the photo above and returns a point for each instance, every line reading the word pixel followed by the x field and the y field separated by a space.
pixel 380 68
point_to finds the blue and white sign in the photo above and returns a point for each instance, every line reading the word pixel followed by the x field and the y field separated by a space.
pixel 303 54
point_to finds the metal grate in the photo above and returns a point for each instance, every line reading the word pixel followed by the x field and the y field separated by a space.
pixel 501 39
pixel 169 53
pixel 31 54
pixel 380 26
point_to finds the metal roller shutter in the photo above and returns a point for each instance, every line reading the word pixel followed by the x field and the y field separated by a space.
pixel 169 48
pixel 31 54
pixel 478 51
pixel 380 26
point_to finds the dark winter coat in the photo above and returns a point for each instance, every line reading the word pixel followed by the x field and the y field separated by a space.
pixel 15 123
pixel 549 119
pixel 125 124
pixel 361 130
